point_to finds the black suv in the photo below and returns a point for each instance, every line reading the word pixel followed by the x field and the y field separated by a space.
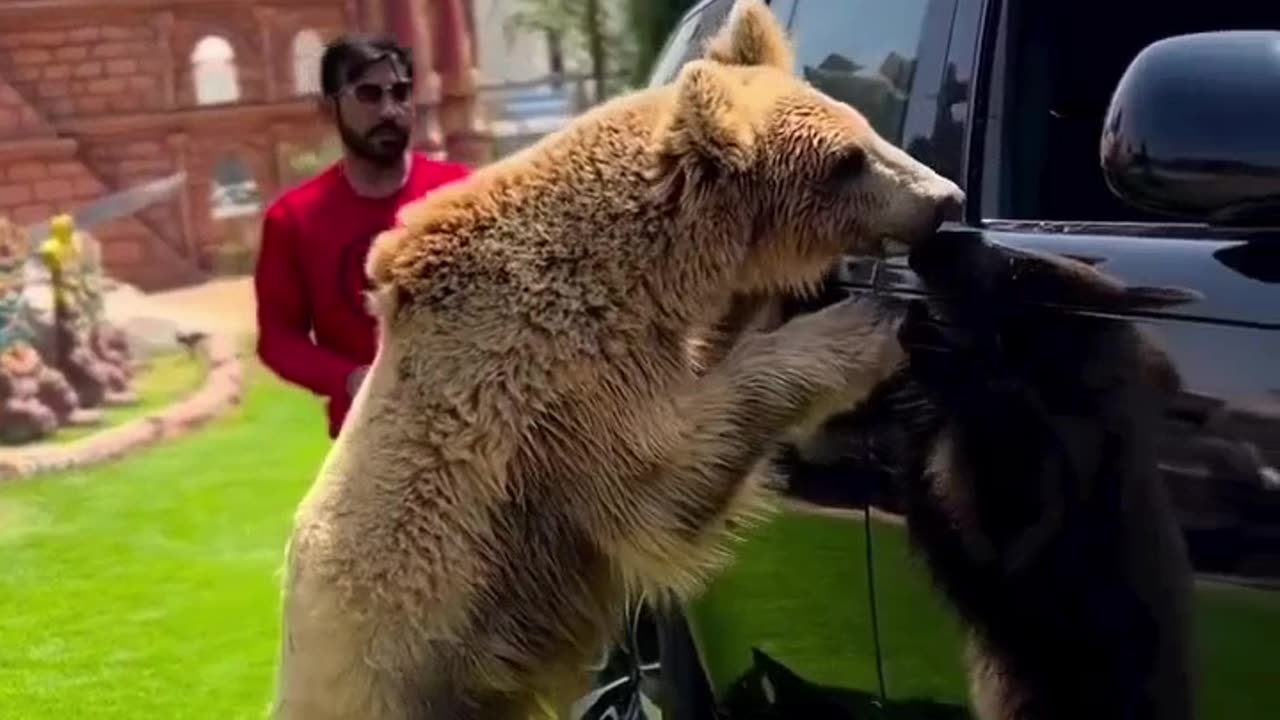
pixel 1140 135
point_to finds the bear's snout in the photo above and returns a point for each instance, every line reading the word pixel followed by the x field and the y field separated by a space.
pixel 949 208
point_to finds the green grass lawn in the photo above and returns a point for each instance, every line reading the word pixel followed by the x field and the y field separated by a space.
pixel 169 378
pixel 148 588
pixel 799 594
pixel 798 591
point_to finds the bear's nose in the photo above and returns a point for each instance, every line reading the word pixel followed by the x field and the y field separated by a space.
pixel 949 207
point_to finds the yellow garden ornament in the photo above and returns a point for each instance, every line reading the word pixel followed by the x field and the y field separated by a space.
pixel 61 245
pixel 62 227
pixel 63 254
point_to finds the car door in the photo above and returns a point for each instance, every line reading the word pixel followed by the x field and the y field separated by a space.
pixel 789 629
pixel 1017 123
pixel 791 613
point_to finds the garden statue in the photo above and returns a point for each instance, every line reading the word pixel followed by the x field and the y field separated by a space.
pixel 23 418
pixel 34 397
pixel 106 341
pixel 13 325
pixel 77 306
pixel 61 257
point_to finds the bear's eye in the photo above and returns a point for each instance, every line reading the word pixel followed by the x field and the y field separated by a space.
pixel 849 165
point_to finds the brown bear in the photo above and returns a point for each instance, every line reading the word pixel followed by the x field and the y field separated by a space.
pixel 1030 482
pixel 536 440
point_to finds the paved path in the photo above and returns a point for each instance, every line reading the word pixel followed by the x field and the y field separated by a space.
pixel 223 306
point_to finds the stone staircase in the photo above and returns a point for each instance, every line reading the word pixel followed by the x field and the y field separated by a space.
pixel 44 172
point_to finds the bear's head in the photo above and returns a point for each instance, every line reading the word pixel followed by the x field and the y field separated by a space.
pixel 743 131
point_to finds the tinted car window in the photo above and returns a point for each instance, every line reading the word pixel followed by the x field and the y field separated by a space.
pixel 675 52
pixel 1061 68
pixel 687 41
pixel 862 52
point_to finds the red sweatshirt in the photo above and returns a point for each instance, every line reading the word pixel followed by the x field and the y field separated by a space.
pixel 310 278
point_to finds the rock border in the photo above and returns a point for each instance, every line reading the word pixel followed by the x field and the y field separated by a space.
pixel 222 390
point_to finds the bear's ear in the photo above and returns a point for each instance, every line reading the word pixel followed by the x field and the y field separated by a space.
pixel 751 35
pixel 708 121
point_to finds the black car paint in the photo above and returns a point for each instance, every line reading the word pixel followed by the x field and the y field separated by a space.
pixel 1167 162
pixel 1224 428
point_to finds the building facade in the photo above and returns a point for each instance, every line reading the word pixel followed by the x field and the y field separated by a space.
pixel 99 95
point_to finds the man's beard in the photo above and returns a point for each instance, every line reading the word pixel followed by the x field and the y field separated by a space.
pixel 377 152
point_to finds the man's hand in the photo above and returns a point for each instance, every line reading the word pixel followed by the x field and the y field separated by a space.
pixel 356 379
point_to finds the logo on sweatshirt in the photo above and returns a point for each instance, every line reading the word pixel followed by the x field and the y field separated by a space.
pixel 353 284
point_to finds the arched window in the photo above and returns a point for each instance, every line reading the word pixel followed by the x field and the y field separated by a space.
pixel 233 191
pixel 307 49
pixel 213 66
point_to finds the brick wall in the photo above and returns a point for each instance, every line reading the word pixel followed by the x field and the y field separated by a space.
pixel 17 118
pixel 60 74
pixel 125 161
pixel 35 187
pixel 84 71
pixel 98 97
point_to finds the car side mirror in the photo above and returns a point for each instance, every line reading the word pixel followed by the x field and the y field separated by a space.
pixel 1193 128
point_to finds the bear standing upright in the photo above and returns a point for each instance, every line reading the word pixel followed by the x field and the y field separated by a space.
pixel 536 439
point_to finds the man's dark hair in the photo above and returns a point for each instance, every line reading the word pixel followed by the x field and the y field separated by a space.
pixel 347 57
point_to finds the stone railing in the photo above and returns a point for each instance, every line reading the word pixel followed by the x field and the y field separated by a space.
pixel 221 391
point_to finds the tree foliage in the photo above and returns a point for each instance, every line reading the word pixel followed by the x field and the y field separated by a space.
pixel 619 41
pixel 592 34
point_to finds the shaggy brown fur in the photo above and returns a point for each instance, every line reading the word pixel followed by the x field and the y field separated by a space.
pixel 1032 489
pixel 536 438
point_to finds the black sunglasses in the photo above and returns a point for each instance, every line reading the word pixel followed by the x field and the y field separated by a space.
pixel 371 93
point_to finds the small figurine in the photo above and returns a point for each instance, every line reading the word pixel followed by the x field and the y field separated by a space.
pixel 35 398
pixel 72 339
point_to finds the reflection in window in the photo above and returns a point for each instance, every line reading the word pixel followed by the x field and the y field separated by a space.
pixel 862 52
pixel 687 42
pixel 677 51
pixel 213 65
pixel 307 49
pixel 233 191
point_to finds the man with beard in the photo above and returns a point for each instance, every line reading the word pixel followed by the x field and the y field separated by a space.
pixel 313 327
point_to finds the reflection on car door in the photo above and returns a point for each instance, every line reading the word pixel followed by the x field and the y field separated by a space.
pixel 791 626
pixel 1219 447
